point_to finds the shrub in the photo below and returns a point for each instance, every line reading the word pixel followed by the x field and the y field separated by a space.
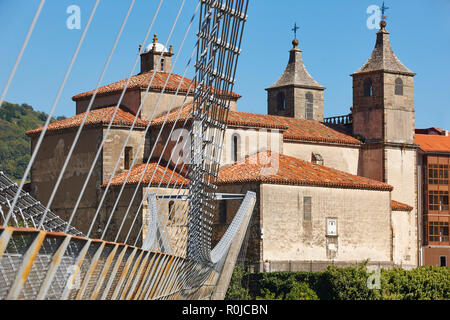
pixel 235 289
pixel 424 283
pixel 301 291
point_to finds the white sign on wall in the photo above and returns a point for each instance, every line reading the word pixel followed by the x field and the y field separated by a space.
pixel 332 227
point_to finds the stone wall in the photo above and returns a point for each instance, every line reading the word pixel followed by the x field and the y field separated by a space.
pixel 176 223
pixel 253 244
pixel 131 101
pixel 363 224
pixel 295 102
pixel 399 110
pixel 403 238
pixel 126 213
pixel 371 163
pixel 250 142
pixel 344 158
pixel 48 165
pixel 401 174
pixel 113 146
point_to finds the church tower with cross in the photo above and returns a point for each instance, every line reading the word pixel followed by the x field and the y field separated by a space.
pixel 296 94
pixel 383 96
pixel 383 117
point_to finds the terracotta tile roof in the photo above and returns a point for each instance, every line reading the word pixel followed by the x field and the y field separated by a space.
pixel 398 206
pixel 433 143
pixel 294 129
pixel 315 131
pixel 152 168
pixel 253 120
pixel 431 131
pixel 293 171
pixel 95 117
pixel 141 81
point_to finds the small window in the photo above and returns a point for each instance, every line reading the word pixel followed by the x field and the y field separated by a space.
pixel 307 208
pixel 443 261
pixel 234 146
pixel 162 64
pixel 368 88
pixel 399 87
pixel 309 107
pixel 128 158
pixel 223 212
pixel 281 101
pixel 332 227
pixel 171 211
pixel 317 159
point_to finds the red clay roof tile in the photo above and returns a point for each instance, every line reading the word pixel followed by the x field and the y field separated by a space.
pixel 142 81
pixel 294 129
pixel 433 143
pixel 153 170
pixel 293 171
pixel 398 206
pixel 95 117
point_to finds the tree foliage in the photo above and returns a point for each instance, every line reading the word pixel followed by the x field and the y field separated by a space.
pixel 15 120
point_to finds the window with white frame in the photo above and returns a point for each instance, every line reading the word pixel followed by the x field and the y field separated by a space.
pixel 332 227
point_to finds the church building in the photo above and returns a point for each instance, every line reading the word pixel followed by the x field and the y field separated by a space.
pixel 339 190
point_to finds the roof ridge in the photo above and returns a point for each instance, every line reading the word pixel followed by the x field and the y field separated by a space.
pixel 141 80
pixel 95 117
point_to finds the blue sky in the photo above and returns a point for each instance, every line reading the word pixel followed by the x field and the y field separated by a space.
pixel 334 38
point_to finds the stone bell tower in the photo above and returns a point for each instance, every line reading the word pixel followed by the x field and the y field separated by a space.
pixel 296 94
pixel 383 117
pixel 151 56
pixel 383 96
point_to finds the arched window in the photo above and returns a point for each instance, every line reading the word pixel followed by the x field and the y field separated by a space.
pixel 281 101
pixel 399 87
pixel 368 88
pixel 309 108
pixel 234 147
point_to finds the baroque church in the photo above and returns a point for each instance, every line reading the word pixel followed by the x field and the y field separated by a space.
pixel 338 190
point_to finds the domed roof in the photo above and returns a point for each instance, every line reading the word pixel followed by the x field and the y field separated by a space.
pixel 159 47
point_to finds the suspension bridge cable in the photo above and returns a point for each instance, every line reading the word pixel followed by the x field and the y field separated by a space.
pixel 134 122
pixel 80 129
pixel 22 50
pixel 99 151
pixel 58 95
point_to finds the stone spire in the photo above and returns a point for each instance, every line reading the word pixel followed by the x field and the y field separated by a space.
pixel 296 73
pixel 383 57
pixel 296 94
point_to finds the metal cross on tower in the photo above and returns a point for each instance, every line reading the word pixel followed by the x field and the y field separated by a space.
pixel 383 11
pixel 295 30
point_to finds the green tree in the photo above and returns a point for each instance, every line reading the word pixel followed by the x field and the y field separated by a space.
pixel 15 120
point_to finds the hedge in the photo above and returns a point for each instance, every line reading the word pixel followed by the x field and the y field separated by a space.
pixel 423 283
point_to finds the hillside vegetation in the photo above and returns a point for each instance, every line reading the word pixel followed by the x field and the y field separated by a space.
pixel 15 120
